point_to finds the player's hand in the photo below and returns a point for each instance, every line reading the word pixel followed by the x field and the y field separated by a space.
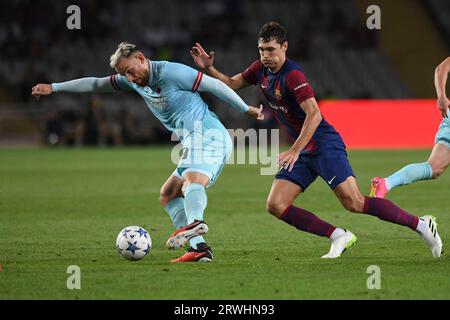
pixel 288 158
pixel 443 105
pixel 41 89
pixel 256 112
pixel 201 58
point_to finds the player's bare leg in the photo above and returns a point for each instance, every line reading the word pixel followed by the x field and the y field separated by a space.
pixel 171 189
pixel 280 204
pixel 351 198
pixel 281 196
pixel 349 195
pixel 439 159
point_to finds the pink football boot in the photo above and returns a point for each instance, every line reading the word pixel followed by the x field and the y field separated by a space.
pixel 378 188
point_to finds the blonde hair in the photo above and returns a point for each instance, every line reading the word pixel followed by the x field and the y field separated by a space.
pixel 124 49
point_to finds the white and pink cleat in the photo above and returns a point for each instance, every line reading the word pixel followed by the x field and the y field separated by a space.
pixel 378 188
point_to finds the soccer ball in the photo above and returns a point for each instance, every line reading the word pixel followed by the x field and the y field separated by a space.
pixel 133 243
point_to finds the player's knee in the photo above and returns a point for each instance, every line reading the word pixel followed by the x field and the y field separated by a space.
pixel 163 200
pixel 438 166
pixel 438 171
pixel 436 174
pixel 352 208
pixel 353 205
pixel 275 207
pixel 165 196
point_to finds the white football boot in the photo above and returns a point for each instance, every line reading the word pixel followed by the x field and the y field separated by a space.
pixel 340 244
pixel 431 236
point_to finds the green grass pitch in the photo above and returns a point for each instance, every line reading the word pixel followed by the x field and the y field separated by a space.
pixel 65 207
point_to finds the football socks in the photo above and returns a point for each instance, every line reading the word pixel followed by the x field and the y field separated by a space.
pixel 307 221
pixel 195 201
pixel 409 174
pixel 175 210
pixel 388 211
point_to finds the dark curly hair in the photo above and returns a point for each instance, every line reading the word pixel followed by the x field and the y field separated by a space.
pixel 273 30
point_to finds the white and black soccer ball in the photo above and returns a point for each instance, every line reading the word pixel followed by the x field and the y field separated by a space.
pixel 134 242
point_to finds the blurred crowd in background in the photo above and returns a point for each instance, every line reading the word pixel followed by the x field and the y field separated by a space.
pixel 342 58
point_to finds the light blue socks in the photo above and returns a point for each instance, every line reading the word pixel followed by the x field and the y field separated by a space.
pixel 195 201
pixel 175 209
pixel 409 174
pixel 192 206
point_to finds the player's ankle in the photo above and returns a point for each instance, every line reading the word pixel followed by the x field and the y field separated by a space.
pixel 338 232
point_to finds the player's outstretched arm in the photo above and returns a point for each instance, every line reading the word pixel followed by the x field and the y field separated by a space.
pixel 440 81
pixel 41 89
pixel 206 63
pixel 90 84
pixel 224 93
pixel 189 79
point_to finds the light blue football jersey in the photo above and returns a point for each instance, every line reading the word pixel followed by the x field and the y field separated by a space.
pixel 171 94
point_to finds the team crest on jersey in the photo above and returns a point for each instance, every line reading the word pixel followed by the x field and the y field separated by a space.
pixel 278 94
pixel 277 91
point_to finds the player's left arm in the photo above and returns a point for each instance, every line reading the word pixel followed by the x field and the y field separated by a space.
pixel 312 121
pixel 440 81
pixel 190 79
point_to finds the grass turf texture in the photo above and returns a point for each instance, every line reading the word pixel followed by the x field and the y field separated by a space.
pixel 65 207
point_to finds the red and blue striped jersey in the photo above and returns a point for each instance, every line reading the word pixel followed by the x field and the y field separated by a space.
pixel 285 91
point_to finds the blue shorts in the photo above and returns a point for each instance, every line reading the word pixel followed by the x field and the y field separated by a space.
pixel 206 149
pixel 443 134
pixel 330 164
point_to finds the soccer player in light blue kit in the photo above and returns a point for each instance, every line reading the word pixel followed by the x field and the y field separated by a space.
pixel 170 91
pixel 439 159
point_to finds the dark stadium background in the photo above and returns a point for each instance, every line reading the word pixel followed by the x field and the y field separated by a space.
pixel 340 55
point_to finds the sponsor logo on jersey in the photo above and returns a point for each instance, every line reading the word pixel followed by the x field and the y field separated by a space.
pixel 301 86
pixel 276 107
pixel 158 102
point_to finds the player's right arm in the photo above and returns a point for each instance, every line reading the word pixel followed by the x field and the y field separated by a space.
pixel 205 62
pixel 440 81
pixel 91 84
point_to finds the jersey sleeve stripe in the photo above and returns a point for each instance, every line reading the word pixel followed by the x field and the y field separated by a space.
pixel 113 82
pixel 197 82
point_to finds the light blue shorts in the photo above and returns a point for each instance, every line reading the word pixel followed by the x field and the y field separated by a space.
pixel 206 149
pixel 443 134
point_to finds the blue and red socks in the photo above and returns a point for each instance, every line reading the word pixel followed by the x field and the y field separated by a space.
pixel 388 211
pixel 308 222
pixel 381 208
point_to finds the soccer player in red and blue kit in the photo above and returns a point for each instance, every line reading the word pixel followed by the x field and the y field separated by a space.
pixel 317 149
